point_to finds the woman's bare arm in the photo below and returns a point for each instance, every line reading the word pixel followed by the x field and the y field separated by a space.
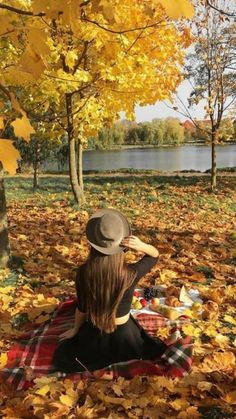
pixel 135 243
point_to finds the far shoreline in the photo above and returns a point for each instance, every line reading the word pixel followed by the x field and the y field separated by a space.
pixel 141 146
pixel 225 171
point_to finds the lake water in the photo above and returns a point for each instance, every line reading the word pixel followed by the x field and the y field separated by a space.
pixel 163 158
pixel 185 157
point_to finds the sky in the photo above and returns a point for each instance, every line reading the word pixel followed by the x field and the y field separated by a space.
pixel 160 110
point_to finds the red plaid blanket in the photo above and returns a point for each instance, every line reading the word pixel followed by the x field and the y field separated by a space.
pixel 31 356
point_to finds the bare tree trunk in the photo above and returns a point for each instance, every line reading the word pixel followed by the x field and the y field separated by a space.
pixel 213 160
pixel 4 240
pixel 76 189
pixel 80 164
pixel 35 183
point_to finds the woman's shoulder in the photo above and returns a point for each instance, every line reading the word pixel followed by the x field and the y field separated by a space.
pixel 143 266
pixel 79 274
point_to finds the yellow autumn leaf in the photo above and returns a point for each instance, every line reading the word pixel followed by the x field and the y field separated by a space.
pixel 167 274
pixel 71 58
pixel 1 123
pixel 163 382
pixel 6 290
pixel 179 404
pixel 68 400
pixel 190 412
pixel 218 361
pixel 18 77
pixel 221 340
pixel 210 330
pixel 9 156
pixel 31 62
pixel 204 385
pixel 230 319
pixel 3 360
pixel 23 128
pixel 108 10
pixel 38 38
pixel 15 104
pixel 190 330
pixel 5 25
pixel 126 403
pixel 43 390
pixel 178 8
pixel 230 397
pixel 41 381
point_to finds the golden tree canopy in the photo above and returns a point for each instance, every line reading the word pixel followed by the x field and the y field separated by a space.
pixel 109 55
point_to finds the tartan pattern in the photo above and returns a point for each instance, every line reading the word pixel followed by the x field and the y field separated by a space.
pixel 35 349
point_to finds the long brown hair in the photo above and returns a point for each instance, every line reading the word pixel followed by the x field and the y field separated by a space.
pixel 103 279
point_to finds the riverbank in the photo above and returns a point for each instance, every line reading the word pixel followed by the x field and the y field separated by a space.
pixel 143 146
pixel 223 172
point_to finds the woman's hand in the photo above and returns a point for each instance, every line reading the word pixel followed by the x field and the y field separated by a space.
pixel 133 242
pixel 68 334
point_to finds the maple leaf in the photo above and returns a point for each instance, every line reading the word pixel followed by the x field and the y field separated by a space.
pixel 219 361
pixel 23 128
pixel 9 156
pixel 230 397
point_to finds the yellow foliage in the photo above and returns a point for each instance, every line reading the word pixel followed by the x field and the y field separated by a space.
pixel 8 156
pixel 42 391
pixel 31 62
pixel 230 397
pixel 179 404
pixel 113 70
pixel 68 400
pixel 218 361
pixel 1 123
pixel 230 319
pixel 190 330
pixel 23 128
pixel 221 340
pixel 3 360
pixel 38 41
pixel 177 8
pixel 191 412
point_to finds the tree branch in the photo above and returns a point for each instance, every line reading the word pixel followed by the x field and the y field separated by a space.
pixel 82 57
pixel 123 31
pixel 5 91
pixel 20 11
pixel 220 10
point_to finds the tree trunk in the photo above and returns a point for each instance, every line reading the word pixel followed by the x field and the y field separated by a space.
pixel 80 164
pixel 213 160
pixel 76 189
pixel 35 182
pixel 4 240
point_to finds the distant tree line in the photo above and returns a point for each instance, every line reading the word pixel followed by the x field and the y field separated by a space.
pixel 169 131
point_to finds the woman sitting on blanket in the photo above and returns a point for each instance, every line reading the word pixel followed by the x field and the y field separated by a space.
pixel 104 332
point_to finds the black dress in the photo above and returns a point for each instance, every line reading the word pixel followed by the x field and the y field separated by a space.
pixel 90 349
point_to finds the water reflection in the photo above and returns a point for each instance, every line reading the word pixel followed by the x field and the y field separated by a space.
pixel 163 158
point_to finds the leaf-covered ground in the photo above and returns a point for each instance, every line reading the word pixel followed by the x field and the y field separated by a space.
pixel 195 232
